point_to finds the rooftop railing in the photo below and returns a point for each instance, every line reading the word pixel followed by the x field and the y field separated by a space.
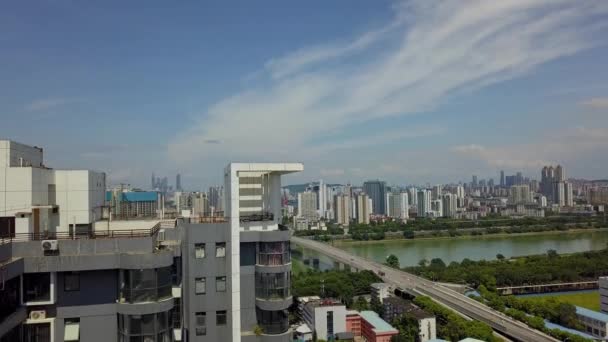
pixel 256 217
pixel 93 234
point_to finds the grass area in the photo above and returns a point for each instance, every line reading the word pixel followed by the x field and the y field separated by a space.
pixel 589 300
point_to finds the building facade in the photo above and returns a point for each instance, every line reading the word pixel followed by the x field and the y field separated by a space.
pixel 376 191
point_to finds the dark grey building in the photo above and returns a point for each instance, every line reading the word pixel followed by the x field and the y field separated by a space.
pixel 376 190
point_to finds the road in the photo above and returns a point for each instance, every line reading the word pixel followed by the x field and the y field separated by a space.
pixel 459 302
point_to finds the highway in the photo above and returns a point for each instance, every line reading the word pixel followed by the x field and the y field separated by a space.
pixel 456 301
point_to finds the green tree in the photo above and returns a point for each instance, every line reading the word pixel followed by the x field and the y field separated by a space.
pixel 361 304
pixel 392 261
pixel 376 306
pixel 500 257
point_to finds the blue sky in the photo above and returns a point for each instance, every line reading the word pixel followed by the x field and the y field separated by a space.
pixel 408 91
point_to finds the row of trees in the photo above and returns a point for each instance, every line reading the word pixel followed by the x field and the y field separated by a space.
pixel 539 269
pixel 343 285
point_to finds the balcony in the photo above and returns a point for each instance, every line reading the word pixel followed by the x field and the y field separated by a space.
pixel 91 234
pixel 273 322
pixel 145 285
pixel 257 217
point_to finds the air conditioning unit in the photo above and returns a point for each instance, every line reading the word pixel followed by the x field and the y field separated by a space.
pixel 37 314
pixel 49 245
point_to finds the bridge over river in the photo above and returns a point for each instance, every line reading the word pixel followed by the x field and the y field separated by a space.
pixel 417 285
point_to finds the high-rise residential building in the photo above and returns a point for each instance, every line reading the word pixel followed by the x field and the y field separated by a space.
pixel 542 201
pixel 519 194
pixel 363 208
pixel 200 204
pixel 307 205
pixel 474 181
pixel 502 178
pixel 568 194
pixel 216 198
pixel 559 193
pixel 397 204
pixel 376 190
pixel 437 191
pixel 342 209
pixel 437 208
pixel 460 191
pixel 413 196
pixel 449 205
pixel 424 203
pixel 146 280
pixel 178 182
pixel 321 191
pixel 560 174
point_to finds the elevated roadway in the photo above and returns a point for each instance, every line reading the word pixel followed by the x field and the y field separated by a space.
pixel 456 301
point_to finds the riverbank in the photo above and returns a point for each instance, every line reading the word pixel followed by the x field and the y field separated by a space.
pixel 339 242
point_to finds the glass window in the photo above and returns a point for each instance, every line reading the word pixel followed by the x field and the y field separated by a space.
pixel 199 250
pixel 272 285
pixel 71 281
pixel 201 323
pixel 37 287
pixel 145 285
pixel 38 332
pixel 221 317
pixel 200 286
pixel 274 253
pixel 220 284
pixel 220 249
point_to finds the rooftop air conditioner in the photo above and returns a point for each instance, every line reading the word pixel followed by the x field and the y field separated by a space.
pixel 49 245
pixel 37 314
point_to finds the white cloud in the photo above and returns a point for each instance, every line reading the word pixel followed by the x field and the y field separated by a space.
pixel 596 103
pixel 431 50
pixel 45 104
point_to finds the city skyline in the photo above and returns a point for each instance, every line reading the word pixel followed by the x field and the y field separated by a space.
pixel 351 97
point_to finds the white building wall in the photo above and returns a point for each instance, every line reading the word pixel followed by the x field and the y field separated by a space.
pixel 428 329
pixel 320 320
pixel 603 288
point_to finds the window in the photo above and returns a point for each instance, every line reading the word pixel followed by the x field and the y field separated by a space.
pixel 37 332
pixel 36 287
pixel 145 285
pixel 71 331
pixel 71 281
pixel 221 317
pixel 201 323
pixel 199 250
pixel 150 327
pixel 220 284
pixel 220 249
pixel 200 285
pixel 330 323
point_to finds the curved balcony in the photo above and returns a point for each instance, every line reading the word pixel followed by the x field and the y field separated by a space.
pixel 274 253
pixel 145 285
pixel 273 290
pixel 273 322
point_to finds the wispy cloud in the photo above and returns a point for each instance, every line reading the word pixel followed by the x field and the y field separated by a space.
pixel 596 103
pixel 48 103
pixel 430 51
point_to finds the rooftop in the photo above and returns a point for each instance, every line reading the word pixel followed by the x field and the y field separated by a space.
pixel 380 326
pixel 602 317
pixel 135 196
pixel 408 307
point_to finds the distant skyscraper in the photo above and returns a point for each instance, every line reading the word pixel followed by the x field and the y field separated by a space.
pixel 376 190
pixel 559 193
pixel 153 183
pixel 363 208
pixel 569 199
pixel 437 208
pixel 519 194
pixel 474 181
pixel 424 202
pixel 178 182
pixel 460 191
pixel 342 206
pixel 502 178
pixel 216 197
pixel 449 205
pixel 413 196
pixel 397 205
pixel 307 205
pixel 437 191
pixel 560 174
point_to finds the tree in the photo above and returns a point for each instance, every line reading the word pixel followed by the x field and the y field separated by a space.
pixel 422 263
pixel 552 254
pixel 376 306
pixel 392 261
pixel 361 304
pixel 500 257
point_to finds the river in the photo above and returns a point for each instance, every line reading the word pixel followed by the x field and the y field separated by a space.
pixel 410 252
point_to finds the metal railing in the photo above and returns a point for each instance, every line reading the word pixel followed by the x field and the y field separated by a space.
pixel 256 217
pixel 216 217
pixel 93 234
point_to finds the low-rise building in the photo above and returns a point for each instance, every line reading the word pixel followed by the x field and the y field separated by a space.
pixel 595 323
pixel 325 317
pixel 353 322
pixel 375 329
pixel 394 307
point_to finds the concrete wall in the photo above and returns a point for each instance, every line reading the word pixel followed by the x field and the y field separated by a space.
pixel 209 267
